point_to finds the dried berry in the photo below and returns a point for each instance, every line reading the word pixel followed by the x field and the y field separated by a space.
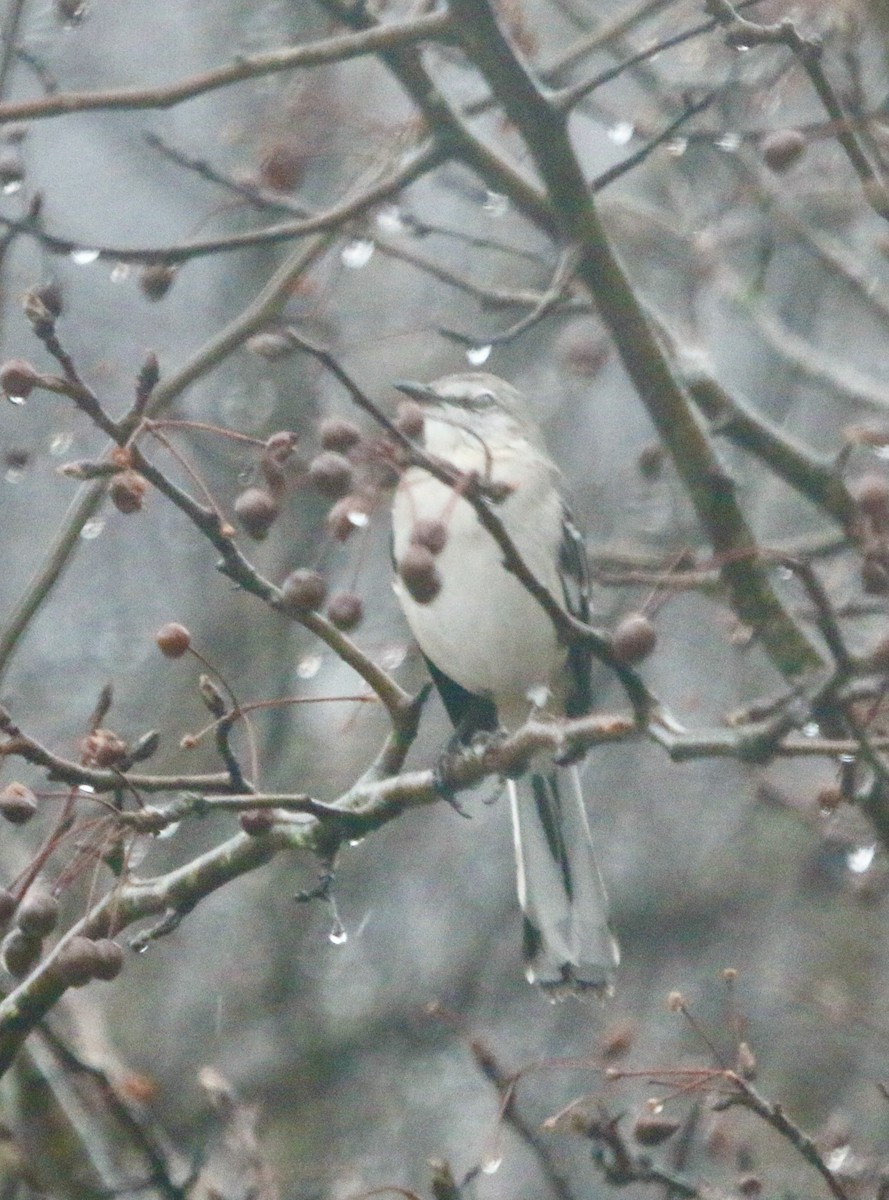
pixel 410 419
pixel 304 589
pixel 420 574
pixel 38 914
pixel 781 149
pixel 280 445
pixel 127 491
pixel 156 280
pixel 871 494
pixel 108 958
pixel 429 533
pixel 331 474
pixel 18 803
pixel 19 952
pixel 347 515
pixel 633 639
pixel 276 453
pixel 338 434
pixel 173 639
pixel 345 610
pixel 829 799
pixel 750 1185
pixel 257 510
pixel 103 748
pixel 77 961
pixel 18 378
pixel 281 167
pixel 257 821
pixel 651 1131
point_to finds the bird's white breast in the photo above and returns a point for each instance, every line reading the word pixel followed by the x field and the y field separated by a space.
pixel 484 629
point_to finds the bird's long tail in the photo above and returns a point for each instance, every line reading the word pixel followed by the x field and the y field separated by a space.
pixel 568 946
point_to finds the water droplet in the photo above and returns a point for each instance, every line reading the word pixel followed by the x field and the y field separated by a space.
pixel 355 841
pixel 655 1106
pixel 357 254
pixel 338 935
pixel 358 518
pixel 835 1159
pixel 169 831
pixel 784 573
pixel 61 443
pixel 811 729
pixel 390 220
pixel 495 204
pixel 87 789
pixel 741 47
pixel 476 355
pixel 18 401
pixel 140 947
pixel 859 860
pixel 92 528
pixel 308 667
pixel 729 142
pixel 11 187
pixel 13 474
pixel 538 695
pixel 621 133
pixel 492 1165
pixel 84 257
pixel 392 657
pixel 676 147
pixel 119 272
pixel 847 759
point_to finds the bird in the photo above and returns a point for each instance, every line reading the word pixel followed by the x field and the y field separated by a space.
pixel 494 653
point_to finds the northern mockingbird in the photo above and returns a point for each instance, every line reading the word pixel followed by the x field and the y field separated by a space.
pixel 494 653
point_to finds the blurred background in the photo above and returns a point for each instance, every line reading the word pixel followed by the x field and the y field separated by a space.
pixel 767 259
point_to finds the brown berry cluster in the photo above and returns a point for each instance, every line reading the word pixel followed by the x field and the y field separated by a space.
pixel 349 470
pixel 257 507
pixel 417 567
pixel 79 960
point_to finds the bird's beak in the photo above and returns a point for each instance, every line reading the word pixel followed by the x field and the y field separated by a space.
pixel 420 392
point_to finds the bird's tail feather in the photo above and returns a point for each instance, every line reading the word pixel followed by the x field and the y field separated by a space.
pixel 568 946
